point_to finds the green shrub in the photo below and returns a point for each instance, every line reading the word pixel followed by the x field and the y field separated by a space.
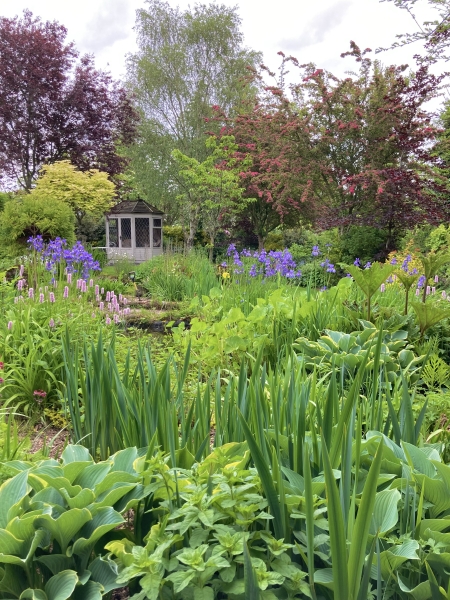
pixel 365 243
pixel 25 216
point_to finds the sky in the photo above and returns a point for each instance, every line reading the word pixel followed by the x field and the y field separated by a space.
pixel 312 31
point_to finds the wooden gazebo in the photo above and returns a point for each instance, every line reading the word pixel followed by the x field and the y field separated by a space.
pixel 134 230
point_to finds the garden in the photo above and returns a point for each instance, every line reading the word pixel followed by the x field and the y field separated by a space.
pixel 283 440
pixel 224 317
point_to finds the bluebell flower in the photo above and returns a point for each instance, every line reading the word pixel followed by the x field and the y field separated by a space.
pixel 315 251
pixel 357 262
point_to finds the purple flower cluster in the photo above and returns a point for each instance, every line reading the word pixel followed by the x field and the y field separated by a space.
pixel 328 266
pixel 57 252
pixel 266 264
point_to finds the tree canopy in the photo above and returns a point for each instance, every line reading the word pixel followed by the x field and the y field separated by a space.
pixel 88 193
pixel 53 107
pixel 187 62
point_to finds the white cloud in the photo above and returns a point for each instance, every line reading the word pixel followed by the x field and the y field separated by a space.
pixel 318 27
pixel 111 23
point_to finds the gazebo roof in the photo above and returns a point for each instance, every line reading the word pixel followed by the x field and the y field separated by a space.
pixel 135 206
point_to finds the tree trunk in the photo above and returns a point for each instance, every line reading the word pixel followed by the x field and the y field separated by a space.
pixel 261 240
pixel 191 234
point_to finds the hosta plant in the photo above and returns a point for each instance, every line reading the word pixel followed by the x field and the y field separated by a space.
pixel 388 350
pixel 55 517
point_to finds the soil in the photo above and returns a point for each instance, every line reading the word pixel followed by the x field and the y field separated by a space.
pixel 53 438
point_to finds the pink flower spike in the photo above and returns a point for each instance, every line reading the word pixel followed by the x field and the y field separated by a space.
pixel 101 306
pixel 382 287
pixel 97 290
pixel 30 293
pixel 108 296
pixel 428 292
pixel 433 290
pixel 51 323
pixel 120 297
pixel 52 297
pixel 444 295
pixel 20 284
pixel 10 325
pixel 108 321
pixel 69 277
pixel 91 283
pixel 98 298
pixel 66 292
pixel 102 291
pixel 21 270
pixel 116 319
pixel 417 292
pixel 83 286
pixel 436 279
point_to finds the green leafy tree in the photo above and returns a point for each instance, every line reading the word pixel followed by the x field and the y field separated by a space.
pixel 212 192
pixel 187 63
pixel 26 216
pixel 89 193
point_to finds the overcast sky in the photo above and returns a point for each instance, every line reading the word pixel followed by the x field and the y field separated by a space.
pixel 313 31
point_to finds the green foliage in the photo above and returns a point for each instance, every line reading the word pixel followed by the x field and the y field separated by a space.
pixel 55 514
pixel 346 351
pixel 176 277
pixel 26 216
pixel 89 193
pixel 366 243
pixel 212 190
pixel 429 314
pixel 370 279
pixel 186 62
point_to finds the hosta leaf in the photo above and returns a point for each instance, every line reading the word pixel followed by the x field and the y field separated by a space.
pixel 56 562
pixel 42 480
pixel 104 520
pixel 124 460
pixel 11 492
pixel 104 571
pixel 112 479
pixel 61 586
pixel 89 591
pixel 66 526
pixel 9 545
pixel 81 500
pixel 111 496
pixel 72 470
pixel 30 594
pixel 418 460
pixel 93 475
pixel 435 492
pixel 420 592
pixel 75 453
pixel 385 512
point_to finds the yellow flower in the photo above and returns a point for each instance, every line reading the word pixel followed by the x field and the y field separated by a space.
pixel 225 275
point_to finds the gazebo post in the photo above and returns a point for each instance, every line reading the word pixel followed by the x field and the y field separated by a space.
pixel 107 234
